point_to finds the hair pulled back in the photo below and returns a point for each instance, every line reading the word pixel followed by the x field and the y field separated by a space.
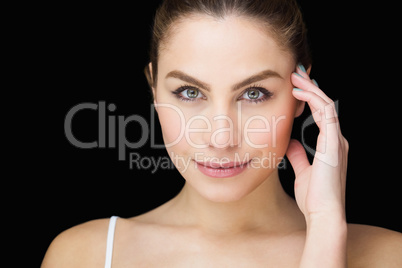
pixel 282 18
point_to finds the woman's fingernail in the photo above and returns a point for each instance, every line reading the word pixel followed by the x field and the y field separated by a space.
pixel 297 89
pixel 315 83
pixel 298 75
pixel 301 67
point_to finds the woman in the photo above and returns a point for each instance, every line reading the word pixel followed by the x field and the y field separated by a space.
pixel 228 79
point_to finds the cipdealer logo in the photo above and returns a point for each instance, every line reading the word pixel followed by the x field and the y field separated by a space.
pixel 107 125
pixel 107 134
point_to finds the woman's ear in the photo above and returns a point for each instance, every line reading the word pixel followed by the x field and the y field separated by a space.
pixel 299 108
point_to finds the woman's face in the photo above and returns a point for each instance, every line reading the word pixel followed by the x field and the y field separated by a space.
pixel 224 101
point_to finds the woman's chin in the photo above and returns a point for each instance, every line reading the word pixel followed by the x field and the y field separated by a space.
pixel 224 190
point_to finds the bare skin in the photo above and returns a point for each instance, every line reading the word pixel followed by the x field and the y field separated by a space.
pixel 158 239
pixel 246 220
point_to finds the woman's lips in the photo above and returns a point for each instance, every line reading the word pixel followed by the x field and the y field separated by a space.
pixel 222 170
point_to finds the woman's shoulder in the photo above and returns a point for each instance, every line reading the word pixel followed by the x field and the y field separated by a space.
pixel 370 246
pixel 83 245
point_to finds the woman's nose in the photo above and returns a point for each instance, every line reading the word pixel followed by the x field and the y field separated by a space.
pixel 225 127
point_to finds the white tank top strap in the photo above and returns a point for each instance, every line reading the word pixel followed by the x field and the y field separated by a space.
pixel 109 242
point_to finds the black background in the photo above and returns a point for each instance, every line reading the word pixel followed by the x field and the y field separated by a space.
pixel 90 53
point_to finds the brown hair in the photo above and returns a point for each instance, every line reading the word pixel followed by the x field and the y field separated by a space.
pixel 282 17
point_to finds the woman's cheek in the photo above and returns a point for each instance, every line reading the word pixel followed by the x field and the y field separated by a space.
pixel 270 133
pixel 172 123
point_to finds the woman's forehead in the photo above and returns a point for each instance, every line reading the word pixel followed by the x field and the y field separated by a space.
pixel 234 44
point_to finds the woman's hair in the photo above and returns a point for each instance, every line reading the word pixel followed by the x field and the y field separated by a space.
pixel 281 18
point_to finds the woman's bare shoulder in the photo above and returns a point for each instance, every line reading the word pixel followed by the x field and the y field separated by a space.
pixel 370 246
pixel 83 245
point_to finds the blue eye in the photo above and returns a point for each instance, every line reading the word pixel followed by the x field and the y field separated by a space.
pixel 191 93
pixel 256 94
pixel 188 93
pixel 252 94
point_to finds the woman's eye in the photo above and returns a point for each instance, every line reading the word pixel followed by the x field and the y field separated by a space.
pixel 191 93
pixel 252 94
pixel 256 95
pixel 187 93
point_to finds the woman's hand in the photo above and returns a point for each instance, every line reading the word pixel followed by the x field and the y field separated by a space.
pixel 320 187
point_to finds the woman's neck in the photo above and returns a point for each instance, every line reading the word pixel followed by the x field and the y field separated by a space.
pixel 268 207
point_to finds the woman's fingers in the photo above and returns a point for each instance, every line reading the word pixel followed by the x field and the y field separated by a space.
pixel 324 112
pixel 326 118
pixel 301 80
pixel 330 141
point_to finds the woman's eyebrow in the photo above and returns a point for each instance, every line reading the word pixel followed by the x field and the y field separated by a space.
pixel 252 79
pixel 187 78
pixel 255 78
